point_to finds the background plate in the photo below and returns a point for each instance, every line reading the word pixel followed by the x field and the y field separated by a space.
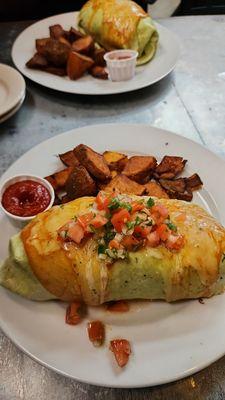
pixel 169 341
pixel 24 48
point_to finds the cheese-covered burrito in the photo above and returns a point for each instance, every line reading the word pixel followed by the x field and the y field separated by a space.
pixel 120 24
pixel 121 247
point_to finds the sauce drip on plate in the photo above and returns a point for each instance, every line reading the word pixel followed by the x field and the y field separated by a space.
pixel 26 198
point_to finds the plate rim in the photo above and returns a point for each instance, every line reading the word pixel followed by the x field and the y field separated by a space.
pixel 161 381
pixel 9 106
pixel 100 92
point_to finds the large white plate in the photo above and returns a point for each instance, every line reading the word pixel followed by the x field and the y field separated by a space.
pixel 169 341
pixel 12 88
pixel 24 48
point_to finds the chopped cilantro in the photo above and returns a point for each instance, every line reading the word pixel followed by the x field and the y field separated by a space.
pixel 138 221
pixel 171 226
pixel 101 249
pixel 150 202
pixel 109 236
pixel 126 205
pixel 114 203
pixel 130 224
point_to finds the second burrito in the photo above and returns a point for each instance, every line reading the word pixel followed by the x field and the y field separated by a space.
pixel 120 24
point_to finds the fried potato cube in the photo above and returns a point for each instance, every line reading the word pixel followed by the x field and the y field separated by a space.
pixel 40 45
pixel 56 31
pixel 177 185
pixel 155 189
pixel 176 189
pixel 138 168
pixel 98 57
pixel 74 34
pixel 80 183
pixel 194 182
pixel 78 64
pixel 116 161
pixel 84 45
pixel 58 179
pixel 55 52
pixel 170 167
pixel 98 72
pixel 93 162
pixel 69 159
pixel 124 185
pixel 37 62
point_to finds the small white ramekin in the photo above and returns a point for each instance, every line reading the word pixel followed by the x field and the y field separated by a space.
pixel 15 219
pixel 121 69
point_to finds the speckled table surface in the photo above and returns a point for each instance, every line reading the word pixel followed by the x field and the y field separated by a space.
pixel 190 102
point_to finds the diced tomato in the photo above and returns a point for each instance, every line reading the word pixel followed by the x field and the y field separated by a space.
pixel 96 332
pixel 121 349
pixel 130 242
pixel 137 206
pixel 75 232
pixel 143 231
pixel 73 316
pixel 175 242
pixel 153 239
pixel 119 219
pixel 98 221
pixel 85 219
pixel 118 306
pixel 159 213
pixel 102 201
pixel 114 244
pixel 163 232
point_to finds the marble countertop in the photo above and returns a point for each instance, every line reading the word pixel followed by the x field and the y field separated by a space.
pixel 190 102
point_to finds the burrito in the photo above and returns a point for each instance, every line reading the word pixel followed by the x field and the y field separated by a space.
pixel 116 247
pixel 120 24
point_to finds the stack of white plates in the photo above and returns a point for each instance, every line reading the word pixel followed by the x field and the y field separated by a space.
pixel 12 91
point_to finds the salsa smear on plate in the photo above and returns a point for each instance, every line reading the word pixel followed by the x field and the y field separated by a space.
pixel 26 198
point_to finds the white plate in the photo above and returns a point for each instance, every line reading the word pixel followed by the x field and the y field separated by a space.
pixel 13 111
pixel 12 88
pixel 24 48
pixel 169 341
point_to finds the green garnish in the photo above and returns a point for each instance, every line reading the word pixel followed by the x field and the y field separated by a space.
pixel 61 206
pixel 115 203
pixel 109 236
pixel 130 224
pixel 138 221
pixel 150 202
pixel 127 206
pixel 171 226
pixel 101 249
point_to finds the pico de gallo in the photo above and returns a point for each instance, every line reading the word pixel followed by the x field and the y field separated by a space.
pixel 122 225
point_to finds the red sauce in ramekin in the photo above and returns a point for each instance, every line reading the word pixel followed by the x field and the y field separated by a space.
pixel 26 198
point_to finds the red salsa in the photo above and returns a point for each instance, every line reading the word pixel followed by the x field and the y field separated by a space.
pixel 26 198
